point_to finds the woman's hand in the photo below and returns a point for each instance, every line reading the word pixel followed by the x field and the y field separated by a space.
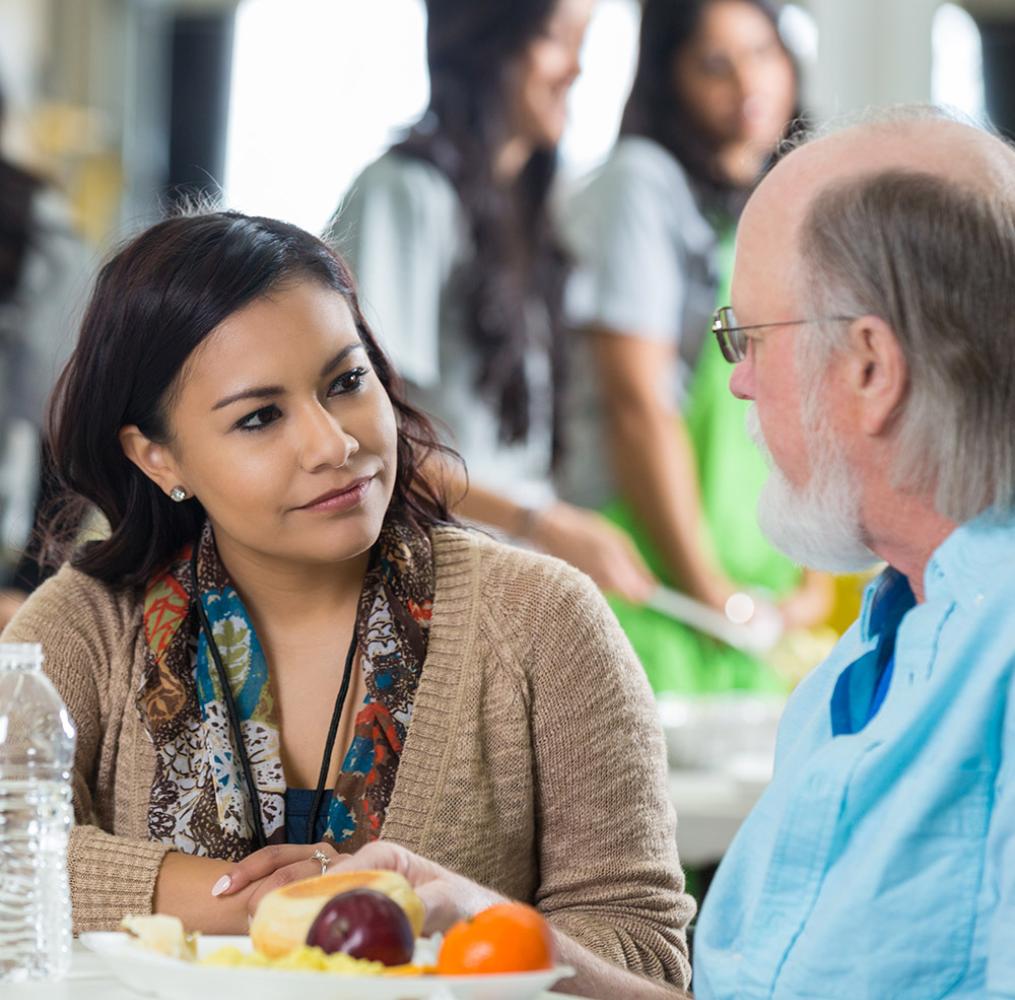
pixel 10 602
pixel 447 897
pixel 271 868
pixel 811 603
pixel 590 542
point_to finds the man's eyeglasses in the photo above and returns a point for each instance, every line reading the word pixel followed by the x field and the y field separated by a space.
pixel 734 339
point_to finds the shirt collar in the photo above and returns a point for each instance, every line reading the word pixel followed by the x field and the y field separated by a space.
pixel 885 601
pixel 972 558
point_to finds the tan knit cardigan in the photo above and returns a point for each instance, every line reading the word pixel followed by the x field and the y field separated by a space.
pixel 534 763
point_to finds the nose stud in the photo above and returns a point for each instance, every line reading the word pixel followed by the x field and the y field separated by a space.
pixel 177 493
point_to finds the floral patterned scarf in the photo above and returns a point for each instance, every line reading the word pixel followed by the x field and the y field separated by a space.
pixel 199 801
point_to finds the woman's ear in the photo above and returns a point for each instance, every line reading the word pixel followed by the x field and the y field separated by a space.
pixel 153 459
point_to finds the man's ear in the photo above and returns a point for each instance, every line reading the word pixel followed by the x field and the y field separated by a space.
pixel 877 374
pixel 153 459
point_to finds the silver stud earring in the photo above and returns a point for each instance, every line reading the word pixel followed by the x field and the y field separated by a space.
pixel 177 493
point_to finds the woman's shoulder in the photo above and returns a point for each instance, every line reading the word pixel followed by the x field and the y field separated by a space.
pixel 640 185
pixel 531 613
pixel 397 193
pixel 73 607
pixel 410 178
pixel 509 578
pixel 638 157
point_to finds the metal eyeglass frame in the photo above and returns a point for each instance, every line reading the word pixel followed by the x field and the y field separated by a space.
pixel 734 339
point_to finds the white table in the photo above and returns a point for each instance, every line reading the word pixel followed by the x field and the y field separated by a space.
pixel 710 806
pixel 90 980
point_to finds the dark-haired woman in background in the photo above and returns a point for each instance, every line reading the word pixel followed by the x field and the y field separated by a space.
pixel 280 579
pixel 714 91
pixel 42 271
pixel 462 273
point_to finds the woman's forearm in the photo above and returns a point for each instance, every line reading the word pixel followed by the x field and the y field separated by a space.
pixel 598 979
pixel 183 889
pixel 475 502
pixel 657 475
pixel 811 603
pixel 486 507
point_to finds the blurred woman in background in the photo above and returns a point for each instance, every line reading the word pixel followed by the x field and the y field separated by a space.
pixel 463 275
pixel 42 268
pixel 660 443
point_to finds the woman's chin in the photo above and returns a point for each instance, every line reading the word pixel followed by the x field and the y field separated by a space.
pixel 337 543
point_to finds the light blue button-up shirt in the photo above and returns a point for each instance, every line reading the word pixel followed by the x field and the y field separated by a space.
pixel 880 864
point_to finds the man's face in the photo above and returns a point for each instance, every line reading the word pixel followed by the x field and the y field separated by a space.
pixel 810 506
pixel 764 292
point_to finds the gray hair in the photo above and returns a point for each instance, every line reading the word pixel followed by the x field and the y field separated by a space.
pixel 935 259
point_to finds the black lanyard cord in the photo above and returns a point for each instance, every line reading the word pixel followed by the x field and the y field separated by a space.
pixel 234 719
pixel 329 746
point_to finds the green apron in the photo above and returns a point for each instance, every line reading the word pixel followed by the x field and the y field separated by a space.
pixel 731 473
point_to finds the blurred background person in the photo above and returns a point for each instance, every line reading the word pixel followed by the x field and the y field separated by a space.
pixel 463 275
pixel 42 270
pixel 660 444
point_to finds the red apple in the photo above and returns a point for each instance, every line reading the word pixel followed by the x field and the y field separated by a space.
pixel 364 924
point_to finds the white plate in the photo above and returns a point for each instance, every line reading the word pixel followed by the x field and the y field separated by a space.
pixel 156 975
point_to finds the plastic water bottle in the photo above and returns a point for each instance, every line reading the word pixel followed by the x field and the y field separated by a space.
pixel 36 756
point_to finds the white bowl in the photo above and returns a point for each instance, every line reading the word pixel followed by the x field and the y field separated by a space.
pixel 731 732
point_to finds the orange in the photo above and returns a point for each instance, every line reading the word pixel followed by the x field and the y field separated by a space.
pixel 509 937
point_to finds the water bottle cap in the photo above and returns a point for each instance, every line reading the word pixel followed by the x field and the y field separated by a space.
pixel 20 656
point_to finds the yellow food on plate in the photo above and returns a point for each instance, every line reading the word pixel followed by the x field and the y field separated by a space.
pixel 302 959
pixel 410 970
pixel 284 916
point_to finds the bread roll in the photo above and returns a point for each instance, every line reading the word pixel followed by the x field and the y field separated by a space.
pixel 162 933
pixel 284 916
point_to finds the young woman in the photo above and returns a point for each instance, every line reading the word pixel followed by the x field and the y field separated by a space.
pixel 285 641
pixel 659 442
pixel 462 273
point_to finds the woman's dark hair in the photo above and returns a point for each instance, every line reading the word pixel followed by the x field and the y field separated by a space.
pixel 657 111
pixel 154 302
pixel 17 191
pixel 516 255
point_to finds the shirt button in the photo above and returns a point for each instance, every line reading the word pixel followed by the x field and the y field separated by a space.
pixel 979 598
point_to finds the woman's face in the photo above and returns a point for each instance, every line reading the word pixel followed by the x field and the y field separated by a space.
pixel 735 77
pixel 283 432
pixel 540 78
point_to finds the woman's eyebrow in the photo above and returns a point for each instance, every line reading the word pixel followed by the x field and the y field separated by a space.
pixel 341 356
pixel 256 392
pixel 270 391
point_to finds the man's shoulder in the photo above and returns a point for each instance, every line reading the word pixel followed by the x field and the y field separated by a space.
pixel 977 563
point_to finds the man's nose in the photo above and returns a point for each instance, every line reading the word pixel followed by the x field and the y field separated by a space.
pixel 742 380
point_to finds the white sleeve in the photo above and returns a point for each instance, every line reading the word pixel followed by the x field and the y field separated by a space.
pixel 53 292
pixel 399 228
pixel 629 272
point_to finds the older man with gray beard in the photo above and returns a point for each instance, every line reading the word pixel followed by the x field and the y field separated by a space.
pixel 873 326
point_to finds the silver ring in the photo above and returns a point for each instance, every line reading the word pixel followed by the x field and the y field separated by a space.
pixel 322 859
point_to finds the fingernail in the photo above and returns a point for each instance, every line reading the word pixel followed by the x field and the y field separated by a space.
pixel 221 885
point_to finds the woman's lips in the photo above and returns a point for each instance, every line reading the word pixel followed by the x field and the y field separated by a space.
pixel 339 500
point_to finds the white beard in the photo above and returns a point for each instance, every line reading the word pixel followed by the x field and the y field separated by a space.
pixel 817 526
